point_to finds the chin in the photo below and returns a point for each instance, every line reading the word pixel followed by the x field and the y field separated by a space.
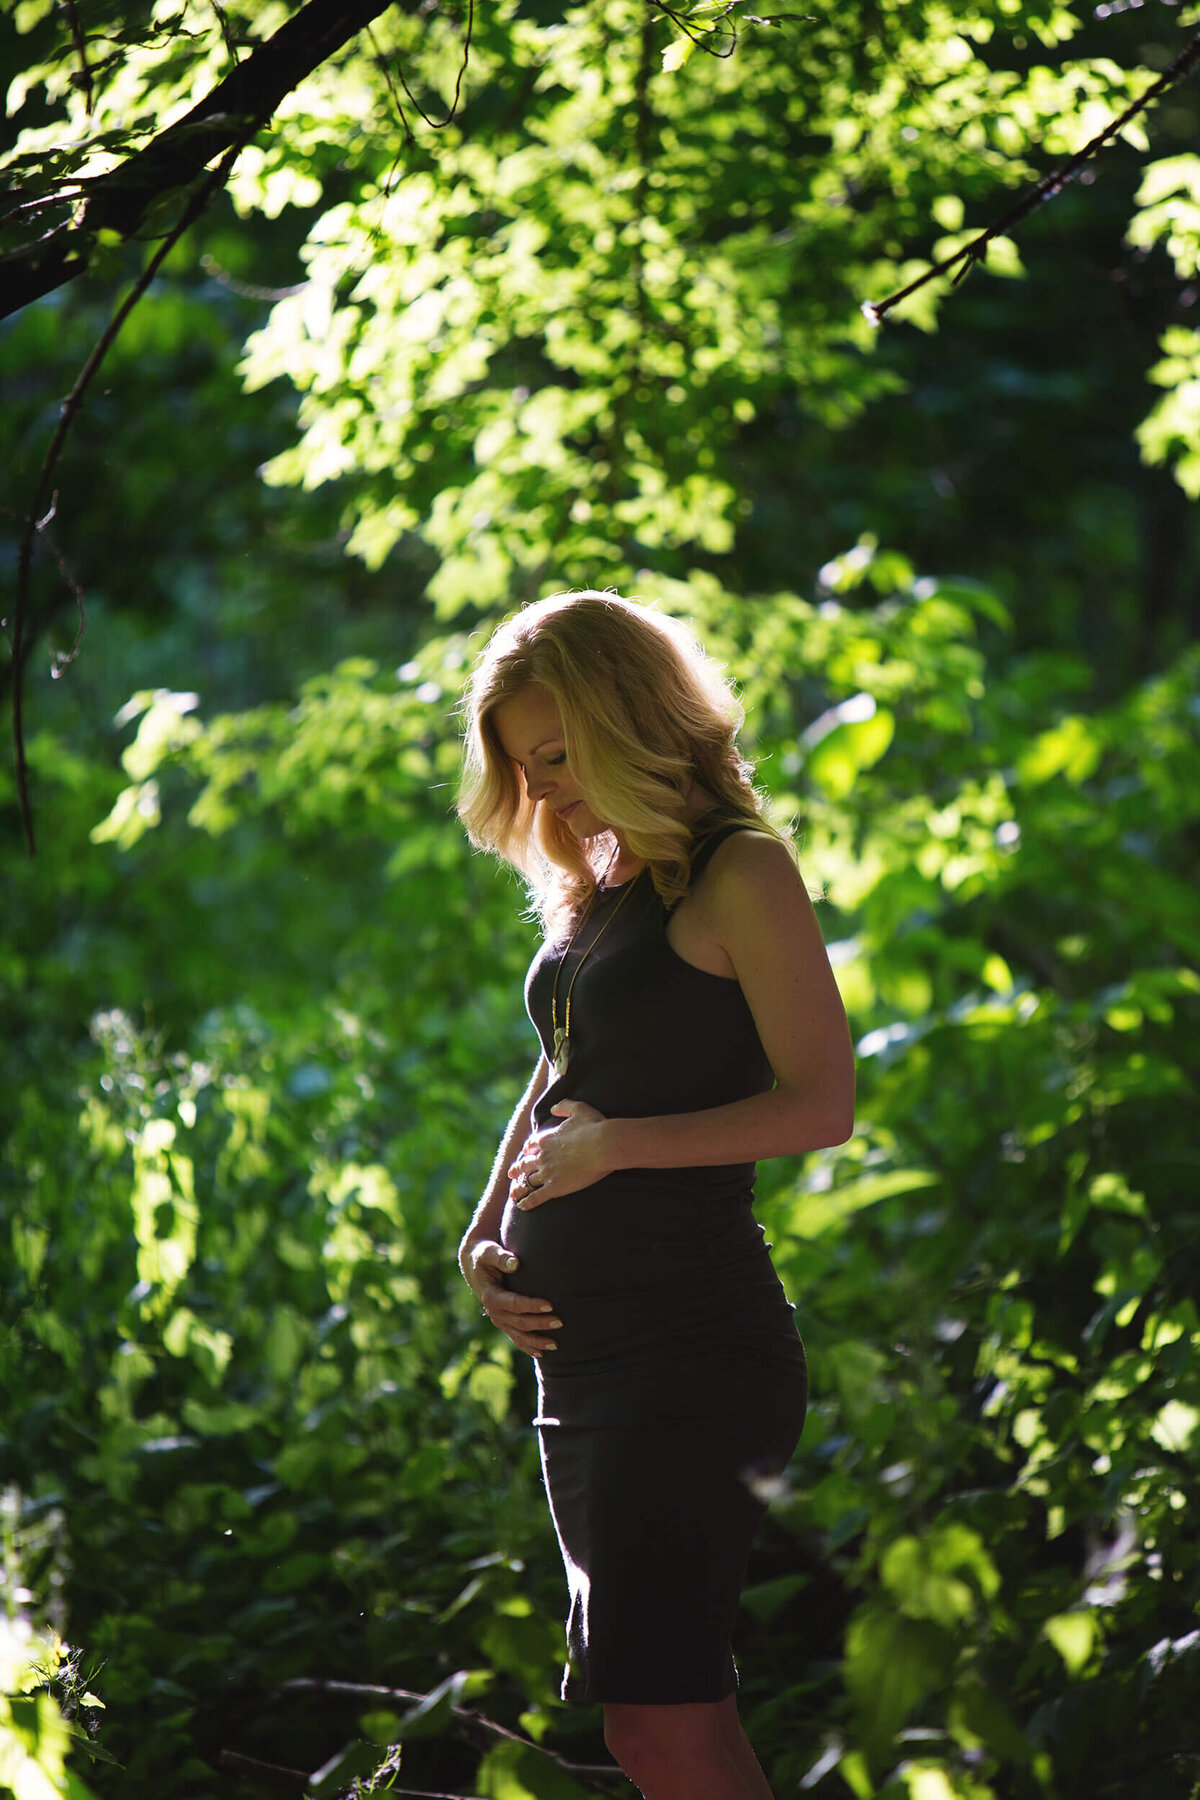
pixel 582 822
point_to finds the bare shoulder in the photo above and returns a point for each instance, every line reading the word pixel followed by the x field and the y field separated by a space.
pixel 750 862
pixel 754 899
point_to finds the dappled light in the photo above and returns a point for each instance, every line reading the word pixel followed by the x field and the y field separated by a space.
pixel 577 300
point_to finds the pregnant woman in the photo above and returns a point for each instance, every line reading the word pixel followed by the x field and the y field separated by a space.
pixel 689 1025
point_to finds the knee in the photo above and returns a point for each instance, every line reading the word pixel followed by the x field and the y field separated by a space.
pixel 631 1741
pixel 619 1734
pixel 657 1748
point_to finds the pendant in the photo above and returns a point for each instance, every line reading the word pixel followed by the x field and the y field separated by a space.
pixel 560 1051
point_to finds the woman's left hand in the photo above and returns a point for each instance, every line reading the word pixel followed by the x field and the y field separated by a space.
pixel 563 1160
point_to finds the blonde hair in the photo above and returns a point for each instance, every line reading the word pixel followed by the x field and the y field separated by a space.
pixel 645 712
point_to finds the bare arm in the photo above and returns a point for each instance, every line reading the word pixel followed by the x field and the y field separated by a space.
pixel 757 910
pixel 481 1256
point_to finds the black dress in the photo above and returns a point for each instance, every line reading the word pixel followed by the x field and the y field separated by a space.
pixel 679 1382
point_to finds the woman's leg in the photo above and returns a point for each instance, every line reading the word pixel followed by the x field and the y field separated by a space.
pixel 697 1752
pixel 747 1761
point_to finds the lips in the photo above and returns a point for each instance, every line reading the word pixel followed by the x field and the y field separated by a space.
pixel 563 812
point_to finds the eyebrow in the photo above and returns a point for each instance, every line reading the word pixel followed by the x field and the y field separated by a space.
pixel 537 747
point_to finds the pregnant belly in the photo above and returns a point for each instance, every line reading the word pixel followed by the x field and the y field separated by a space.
pixel 635 1272
pixel 603 1238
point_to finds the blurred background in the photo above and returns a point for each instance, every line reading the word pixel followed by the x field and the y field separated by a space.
pixel 511 298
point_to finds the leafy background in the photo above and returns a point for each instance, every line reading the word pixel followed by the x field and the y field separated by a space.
pixel 262 1006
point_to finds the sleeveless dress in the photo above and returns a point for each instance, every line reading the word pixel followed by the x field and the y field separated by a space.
pixel 679 1382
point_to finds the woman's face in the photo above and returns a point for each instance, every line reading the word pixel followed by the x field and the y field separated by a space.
pixel 530 732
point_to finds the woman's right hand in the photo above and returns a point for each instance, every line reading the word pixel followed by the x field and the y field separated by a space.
pixel 520 1319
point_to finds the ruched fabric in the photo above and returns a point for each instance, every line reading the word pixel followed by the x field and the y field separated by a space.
pixel 679 1382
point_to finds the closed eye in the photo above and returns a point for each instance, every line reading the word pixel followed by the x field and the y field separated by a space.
pixel 550 761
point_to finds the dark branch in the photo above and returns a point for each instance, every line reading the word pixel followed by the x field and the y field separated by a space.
pixel 1046 189
pixel 70 406
pixel 84 77
pixel 256 1770
pixel 279 1776
pixel 232 113
pixel 476 1727
pixel 452 114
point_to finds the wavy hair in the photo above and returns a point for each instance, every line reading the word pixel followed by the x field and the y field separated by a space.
pixel 645 712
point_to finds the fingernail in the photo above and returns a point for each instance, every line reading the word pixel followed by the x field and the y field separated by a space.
pixel 510 1262
pixel 553 1324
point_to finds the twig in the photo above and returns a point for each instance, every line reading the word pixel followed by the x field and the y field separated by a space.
pixel 178 155
pixel 261 1771
pixel 409 139
pixel 230 41
pixel 30 206
pixel 85 73
pixel 248 290
pixel 59 659
pixel 702 39
pixel 643 137
pixel 1046 189
pixel 237 1764
pixel 215 179
pixel 474 1724
pixel 441 124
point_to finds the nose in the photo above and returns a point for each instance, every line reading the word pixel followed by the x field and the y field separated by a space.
pixel 537 787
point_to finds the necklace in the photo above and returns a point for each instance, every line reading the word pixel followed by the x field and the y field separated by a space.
pixel 562 1033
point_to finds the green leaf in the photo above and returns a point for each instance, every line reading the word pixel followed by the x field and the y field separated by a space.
pixel 855 1772
pixel 137 809
pixel 1073 749
pixel 767 1599
pixel 1175 1427
pixel 1169 175
pixel 433 1714
pixel 977 1716
pixel 929 1781
pixel 892 1664
pixel 75 1788
pixel 1074 1636
pixel 518 1772
pixel 925 1574
pixel 947 209
pixel 491 1385
pixel 815 1213
pixel 857 1370
pixel 835 763
pixel 355 1761
pixel 223 1419
pixel 29 13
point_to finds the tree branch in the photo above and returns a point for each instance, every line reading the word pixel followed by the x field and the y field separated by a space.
pixel 476 1727
pixel 236 108
pixel 34 524
pixel 276 1773
pixel 1046 189
pixel 84 76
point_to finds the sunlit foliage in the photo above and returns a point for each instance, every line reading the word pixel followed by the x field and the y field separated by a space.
pixel 605 326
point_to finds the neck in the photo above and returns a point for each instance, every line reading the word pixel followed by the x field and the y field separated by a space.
pixel 623 867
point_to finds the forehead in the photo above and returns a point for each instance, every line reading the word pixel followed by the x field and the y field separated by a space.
pixel 527 720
